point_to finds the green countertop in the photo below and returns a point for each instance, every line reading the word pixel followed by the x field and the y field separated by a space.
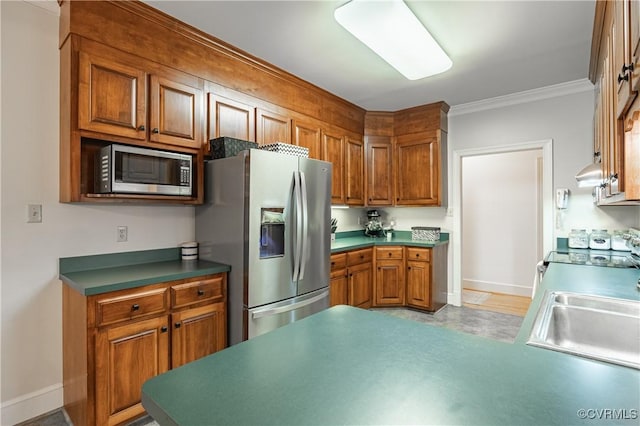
pixel 357 239
pixel 351 366
pixel 98 274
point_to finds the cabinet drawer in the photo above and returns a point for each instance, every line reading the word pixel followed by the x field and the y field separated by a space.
pixel 131 306
pixel 338 261
pixel 359 256
pixel 388 253
pixel 414 253
pixel 210 290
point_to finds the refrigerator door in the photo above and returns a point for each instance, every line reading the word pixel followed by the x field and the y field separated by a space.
pixel 270 233
pixel 316 217
pixel 269 317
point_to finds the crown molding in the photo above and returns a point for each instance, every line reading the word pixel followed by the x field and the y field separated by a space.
pixel 553 91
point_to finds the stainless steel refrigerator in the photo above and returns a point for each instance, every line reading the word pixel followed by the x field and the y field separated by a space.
pixel 267 214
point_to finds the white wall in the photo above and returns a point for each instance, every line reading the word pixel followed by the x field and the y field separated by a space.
pixel 31 326
pixel 500 202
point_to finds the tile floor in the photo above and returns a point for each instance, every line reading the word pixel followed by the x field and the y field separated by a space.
pixel 492 325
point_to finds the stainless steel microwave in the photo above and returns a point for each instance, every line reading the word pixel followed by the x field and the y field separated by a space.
pixel 133 170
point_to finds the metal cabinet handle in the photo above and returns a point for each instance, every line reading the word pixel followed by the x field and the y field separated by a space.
pixel 135 307
pixel 200 292
pixel 156 130
pixel 164 329
pixel 623 77
pixel 177 325
pixel 141 127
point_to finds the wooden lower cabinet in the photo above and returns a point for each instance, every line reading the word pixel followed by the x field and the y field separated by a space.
pixel 352 278
pixel 126 357
pixel 389 289
pixel 197 332
pixel 113 342
pixel 419 284
pixel 338 294
pixel 411 276
pixel 359 284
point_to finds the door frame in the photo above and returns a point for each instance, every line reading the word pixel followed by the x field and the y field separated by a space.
pixel 455 298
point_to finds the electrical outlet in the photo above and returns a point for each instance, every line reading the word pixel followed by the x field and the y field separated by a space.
pixel 34 213
pixel 122 234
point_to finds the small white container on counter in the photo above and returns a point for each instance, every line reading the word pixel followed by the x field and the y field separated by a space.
pixel 578 238
pixel 600 239
pixel 619 243
pixel 189 251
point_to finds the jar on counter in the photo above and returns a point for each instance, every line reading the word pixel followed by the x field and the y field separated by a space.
pixel 600 239
pixel 618 242
pixel 578 238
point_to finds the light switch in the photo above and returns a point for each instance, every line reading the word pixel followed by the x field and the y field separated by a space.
pixel 34 213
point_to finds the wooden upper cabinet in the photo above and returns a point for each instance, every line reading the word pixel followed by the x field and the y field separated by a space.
pixel 176 113
pixel 417 169
pixel 231 118
pixel 379 162
pixel 272 127
pixel 354 171
pixel 333 152
pixel 308 136
pixel 112 97
pixel 626 46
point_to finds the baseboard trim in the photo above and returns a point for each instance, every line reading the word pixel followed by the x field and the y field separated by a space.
pixel 493 287
pixel 32 405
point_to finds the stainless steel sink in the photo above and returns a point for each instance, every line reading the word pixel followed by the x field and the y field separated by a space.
pixel 596 327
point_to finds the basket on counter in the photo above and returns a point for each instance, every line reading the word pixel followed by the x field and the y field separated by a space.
pixel 425 233
pixel 224 147
pixel 285 148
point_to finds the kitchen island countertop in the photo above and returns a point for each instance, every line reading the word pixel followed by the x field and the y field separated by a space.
pixel 351 366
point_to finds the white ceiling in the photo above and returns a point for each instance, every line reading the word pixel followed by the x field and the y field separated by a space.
pixel 497 47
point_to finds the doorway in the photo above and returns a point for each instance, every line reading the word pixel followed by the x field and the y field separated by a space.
pixel 503 223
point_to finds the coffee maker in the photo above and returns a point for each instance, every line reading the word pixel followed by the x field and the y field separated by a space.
pixel 373 227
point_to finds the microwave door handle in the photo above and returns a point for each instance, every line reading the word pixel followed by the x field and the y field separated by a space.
pixel 305 225
pixel 297 252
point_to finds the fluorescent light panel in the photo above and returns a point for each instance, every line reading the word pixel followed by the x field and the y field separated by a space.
pixel 394 33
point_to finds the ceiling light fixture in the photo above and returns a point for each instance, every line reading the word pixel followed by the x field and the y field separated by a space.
pixel 394 33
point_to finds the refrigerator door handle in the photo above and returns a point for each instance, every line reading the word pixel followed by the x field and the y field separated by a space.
pixel 282 309
pixel 305 225
pixel 297 253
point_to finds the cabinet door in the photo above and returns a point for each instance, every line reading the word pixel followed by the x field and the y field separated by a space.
pixel 379 177
pixel 338 294
pixel 307 136
pixel 333 152
pixel 418 284
pixel 360 285
pixel 230 118
pixel 111 97
pixel 634 43
pixel 389 284
pixel 126 357
pixel 176 113
pixel 197 332
pixel 272 127
pixel 354 171
pixel 417 169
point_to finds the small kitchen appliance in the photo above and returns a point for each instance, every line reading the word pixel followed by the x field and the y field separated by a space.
pixel 134 170
pixel 373 228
